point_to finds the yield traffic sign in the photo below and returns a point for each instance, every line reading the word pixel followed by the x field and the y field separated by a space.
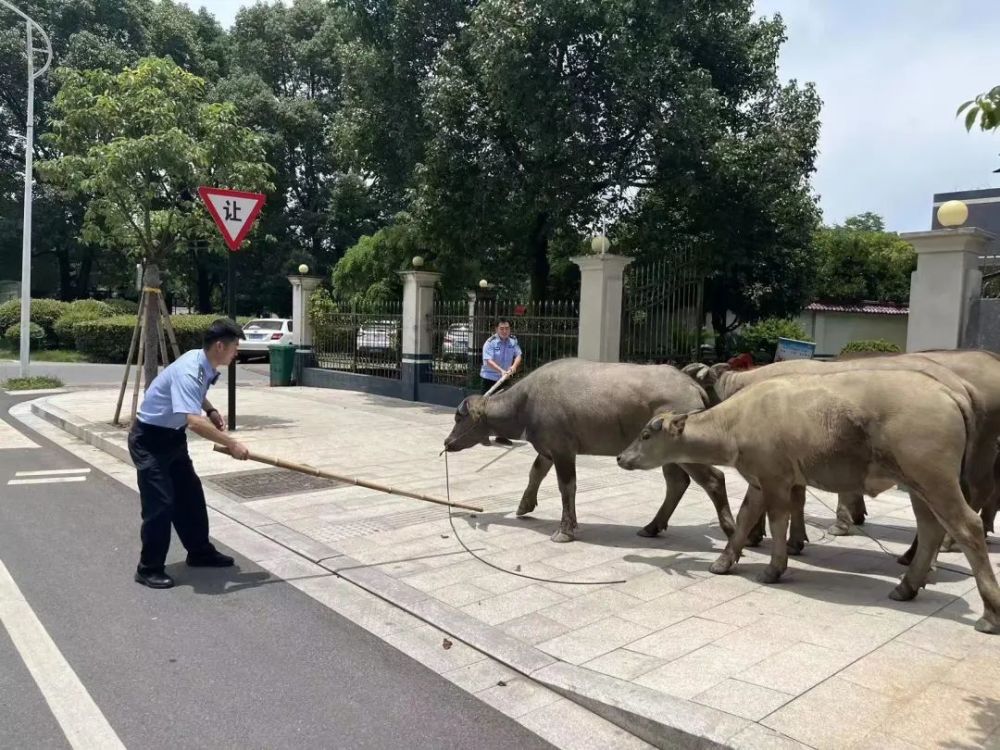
pixel 234 212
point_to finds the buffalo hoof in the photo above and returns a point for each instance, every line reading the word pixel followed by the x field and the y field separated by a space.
pixel 649 531
pixel 526 507
pixel 904 592
pixel 796 547
pixel 983 625
pixel 562 537
pixel 905 559
pixel 768 575
pixel 720 567
pixel 839 529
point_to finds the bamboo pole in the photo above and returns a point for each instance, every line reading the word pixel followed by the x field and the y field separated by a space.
pixel 311 470
pixel 131 353
pixel 165 317
pixel 138 368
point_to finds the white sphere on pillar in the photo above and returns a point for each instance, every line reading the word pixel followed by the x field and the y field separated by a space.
pixel 303 269
pixel 952 213
pixel 418 261
pixel 483 283
pixel 600 244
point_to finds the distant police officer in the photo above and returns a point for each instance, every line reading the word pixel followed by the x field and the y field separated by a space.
pixel 501 356
pixel 169 489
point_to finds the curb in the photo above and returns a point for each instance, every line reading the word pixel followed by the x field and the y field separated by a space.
pixel 661 720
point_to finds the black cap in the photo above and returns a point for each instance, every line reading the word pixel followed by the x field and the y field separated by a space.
pixel 223 329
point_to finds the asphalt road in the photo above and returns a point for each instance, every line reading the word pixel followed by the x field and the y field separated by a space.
pixel 231 658
pixel 83 374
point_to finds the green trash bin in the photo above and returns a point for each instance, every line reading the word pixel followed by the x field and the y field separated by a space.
pixel 282 363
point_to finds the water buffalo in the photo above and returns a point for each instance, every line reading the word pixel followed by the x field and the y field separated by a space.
pixel 853 431
pixel 572 407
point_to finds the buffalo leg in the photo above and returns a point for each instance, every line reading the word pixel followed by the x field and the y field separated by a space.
pixel 929 535
pixel 750 511
pixel 851 511
pixel 713 482
pixel 529 500
pixel 947 502
pixel 677 483
pixel 566 474
pixel 779 502
pixel 797 537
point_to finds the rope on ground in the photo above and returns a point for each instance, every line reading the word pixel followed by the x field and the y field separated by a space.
pixel 451 521
pixel 938 565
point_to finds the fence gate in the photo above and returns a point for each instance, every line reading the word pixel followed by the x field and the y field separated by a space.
pixel 662 315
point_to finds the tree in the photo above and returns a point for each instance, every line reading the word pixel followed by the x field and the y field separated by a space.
pixel 540 120
pixel 985 108
pixel 286 82
pixel 135 146
pixel 859 261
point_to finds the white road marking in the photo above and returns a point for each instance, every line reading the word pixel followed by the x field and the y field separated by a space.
pixel 11 438
pixel 47 480
pixel 79 717
pixel 51 472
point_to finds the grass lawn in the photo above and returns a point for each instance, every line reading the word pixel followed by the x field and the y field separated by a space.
pixel 35 383
pixel 45 355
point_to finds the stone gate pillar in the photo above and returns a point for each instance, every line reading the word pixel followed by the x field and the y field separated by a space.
pixel 601 284
pixel 942 289
pixel 418 334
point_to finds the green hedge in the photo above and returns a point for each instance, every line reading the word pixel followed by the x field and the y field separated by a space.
pixel 122 306
pixel 36 335
pixel 108 339
pixel 761 338
pixel 44 312
pixel 872 345
pixel 82 309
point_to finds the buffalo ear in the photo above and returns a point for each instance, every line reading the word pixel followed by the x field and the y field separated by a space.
pixel 676 427
pixel 463 408
pixel 711 377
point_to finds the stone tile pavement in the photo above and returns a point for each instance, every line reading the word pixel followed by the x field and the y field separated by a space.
pixel 823 659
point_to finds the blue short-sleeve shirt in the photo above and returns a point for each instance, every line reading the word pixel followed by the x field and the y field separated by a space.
pixel 502 352
pixel 178 391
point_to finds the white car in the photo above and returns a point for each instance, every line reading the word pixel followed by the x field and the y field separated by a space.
pixel 262 333
pixel 378 337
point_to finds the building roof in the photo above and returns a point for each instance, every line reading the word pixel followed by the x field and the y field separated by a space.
pixel 860 308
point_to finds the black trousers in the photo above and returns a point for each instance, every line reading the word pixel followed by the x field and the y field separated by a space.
pixel 170 493
pixel 487 384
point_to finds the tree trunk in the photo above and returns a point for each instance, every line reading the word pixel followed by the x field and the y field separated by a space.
pixel 152 344
pixel 65 275
pixel 204 283
pixel 83 275
pixel 538 245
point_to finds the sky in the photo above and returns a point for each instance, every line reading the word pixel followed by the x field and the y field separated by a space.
pixel 891 74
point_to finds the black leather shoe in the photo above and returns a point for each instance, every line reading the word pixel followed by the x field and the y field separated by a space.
pixel 213 559
pixel 502 441
pixel 155 579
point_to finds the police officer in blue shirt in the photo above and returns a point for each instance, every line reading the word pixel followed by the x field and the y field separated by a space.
pixel 501 356
pixel 169 489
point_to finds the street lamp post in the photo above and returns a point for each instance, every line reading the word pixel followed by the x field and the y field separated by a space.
pixel 29 147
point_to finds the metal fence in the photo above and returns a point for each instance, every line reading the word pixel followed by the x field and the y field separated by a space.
pixel 363 339
pixel 662 315
pixel 545 331
pixel 453 353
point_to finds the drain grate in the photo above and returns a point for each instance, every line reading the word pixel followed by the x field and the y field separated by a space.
pixel 254 485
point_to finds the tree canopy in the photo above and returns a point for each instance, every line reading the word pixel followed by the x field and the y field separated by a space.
pixel 494 137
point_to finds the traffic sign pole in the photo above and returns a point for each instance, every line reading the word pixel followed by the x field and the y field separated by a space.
pixel 234 213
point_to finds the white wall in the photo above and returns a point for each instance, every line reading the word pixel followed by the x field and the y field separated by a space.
pixel 832 331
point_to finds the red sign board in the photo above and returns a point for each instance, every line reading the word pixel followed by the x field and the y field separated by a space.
pixel 234 212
